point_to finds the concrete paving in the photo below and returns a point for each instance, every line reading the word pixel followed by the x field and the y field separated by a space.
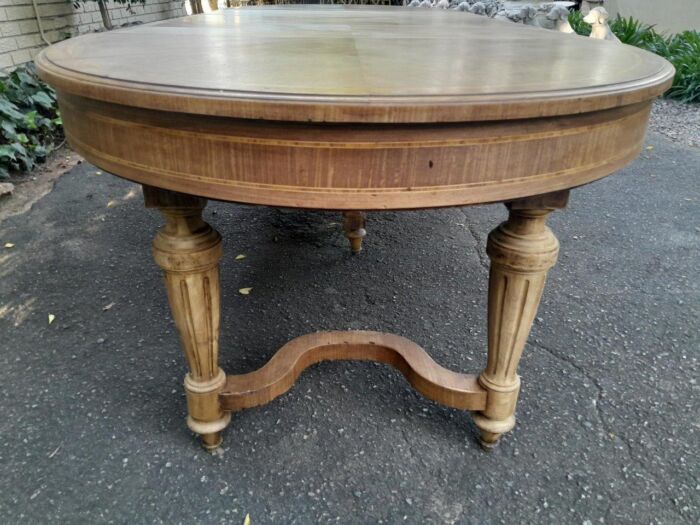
pixel 92 410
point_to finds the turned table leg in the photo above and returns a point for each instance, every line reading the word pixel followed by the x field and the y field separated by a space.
pixel 188 250
pixel 354 227
pixel 521 250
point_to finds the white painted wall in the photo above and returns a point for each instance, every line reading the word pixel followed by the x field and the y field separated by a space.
pixel 669 16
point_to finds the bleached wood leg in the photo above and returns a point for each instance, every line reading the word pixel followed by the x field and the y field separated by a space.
pixel 188 250
pixel 521 250
pixel 354 227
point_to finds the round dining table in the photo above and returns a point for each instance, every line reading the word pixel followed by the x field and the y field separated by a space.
pixel 353 109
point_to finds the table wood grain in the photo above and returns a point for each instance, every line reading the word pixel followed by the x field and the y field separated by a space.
pixel 353 64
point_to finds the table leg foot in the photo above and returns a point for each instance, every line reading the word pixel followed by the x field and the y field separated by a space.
pixel 188 250
pixel 206 415
pixel 354 227
pixel 211 441
pixel 521 250
pixel 488 441
pixel 491 430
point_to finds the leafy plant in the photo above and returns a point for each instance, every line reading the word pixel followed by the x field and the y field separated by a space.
pixel 633 32
pixel 682 50
pixel 578 25
pixel 30 123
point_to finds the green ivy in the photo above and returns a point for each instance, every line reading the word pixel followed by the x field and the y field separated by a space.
pixel 29 120
pixel 682 50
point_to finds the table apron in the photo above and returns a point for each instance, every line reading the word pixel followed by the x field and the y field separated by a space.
pixel 353 167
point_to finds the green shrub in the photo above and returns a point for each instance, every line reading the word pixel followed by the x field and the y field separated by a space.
pixel 682 50
pixel 578 25
pixel 633 32
pixel 29 119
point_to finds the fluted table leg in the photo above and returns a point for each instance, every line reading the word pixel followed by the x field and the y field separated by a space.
pixel 521 250
pixel 188 250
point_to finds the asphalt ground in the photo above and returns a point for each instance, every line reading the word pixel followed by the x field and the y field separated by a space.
pixel 92 408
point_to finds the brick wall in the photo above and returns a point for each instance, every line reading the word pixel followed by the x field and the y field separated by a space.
pixel 20 40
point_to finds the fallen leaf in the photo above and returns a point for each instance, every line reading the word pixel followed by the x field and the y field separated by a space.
pixel 9 245
pixel 107 307
pixel 246 521
pixel 111 204
pixel 51 318
pixel 240 257
pixel 244 291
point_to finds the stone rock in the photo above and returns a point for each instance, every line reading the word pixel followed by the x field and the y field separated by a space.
pixel 6 188
pixel 588 5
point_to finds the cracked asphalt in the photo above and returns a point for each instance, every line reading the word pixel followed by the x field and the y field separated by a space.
pixel 92 410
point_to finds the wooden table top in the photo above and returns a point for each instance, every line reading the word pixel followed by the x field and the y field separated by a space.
pixel 353 108
pixel 353 64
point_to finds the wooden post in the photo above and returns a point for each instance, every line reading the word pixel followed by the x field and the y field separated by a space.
pixel 196 6
pixel 521 250
pixel 188 250
pixel 354 227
